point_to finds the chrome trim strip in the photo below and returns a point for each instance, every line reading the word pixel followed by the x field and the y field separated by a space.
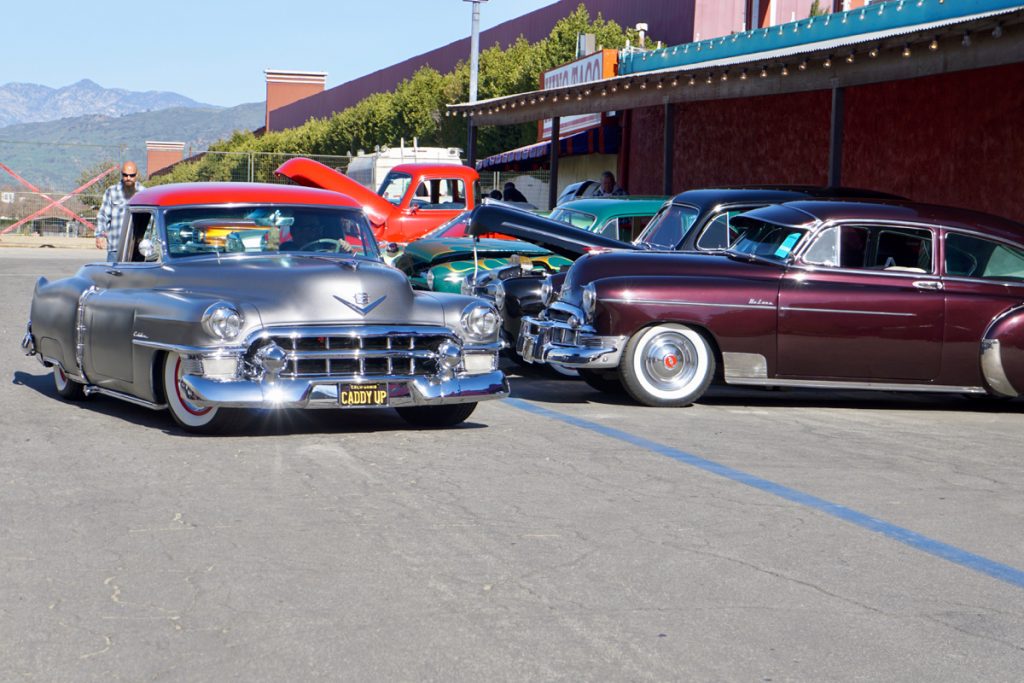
pixel 671 302
pixel 91 389
pixel 343 330
pixel 868 386
pixel 841 310
pixel 190 350
pixel 992 369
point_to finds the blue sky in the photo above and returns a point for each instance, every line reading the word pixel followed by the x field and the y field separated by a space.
pixel 215 51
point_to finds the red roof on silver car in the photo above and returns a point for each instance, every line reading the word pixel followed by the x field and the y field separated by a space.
pixel 182 194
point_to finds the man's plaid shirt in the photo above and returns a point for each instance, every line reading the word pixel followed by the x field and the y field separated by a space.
pixel 111 215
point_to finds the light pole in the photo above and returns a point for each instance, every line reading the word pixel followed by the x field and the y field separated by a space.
pixel 474 64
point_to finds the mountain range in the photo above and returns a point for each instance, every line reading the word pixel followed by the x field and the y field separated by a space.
pixel 29 102
pixel 110 126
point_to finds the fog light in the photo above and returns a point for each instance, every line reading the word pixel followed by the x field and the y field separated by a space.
pixel 479 363
pixel 221 367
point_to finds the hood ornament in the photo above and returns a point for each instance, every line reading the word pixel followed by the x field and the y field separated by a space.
pixel 362 304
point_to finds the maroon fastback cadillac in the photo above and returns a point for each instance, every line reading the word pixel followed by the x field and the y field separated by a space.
pixel 828 294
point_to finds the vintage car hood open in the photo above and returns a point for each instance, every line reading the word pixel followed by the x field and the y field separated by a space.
pixel 311 173
pixel 296 289
pixel 558 237
pixel 421 254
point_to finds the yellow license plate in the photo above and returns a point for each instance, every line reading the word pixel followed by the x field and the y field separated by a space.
pixel 363 395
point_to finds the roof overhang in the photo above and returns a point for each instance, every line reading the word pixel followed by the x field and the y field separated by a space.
pixel 975 41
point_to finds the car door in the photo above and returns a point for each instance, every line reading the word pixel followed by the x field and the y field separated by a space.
pixel 109 312
pixel 863 302
pixel 983 277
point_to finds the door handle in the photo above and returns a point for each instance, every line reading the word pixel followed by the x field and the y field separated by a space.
pixel 928 284
pixel 114 272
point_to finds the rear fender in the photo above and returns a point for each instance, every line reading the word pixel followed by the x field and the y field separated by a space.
pixel 1002 353
pixel 54 315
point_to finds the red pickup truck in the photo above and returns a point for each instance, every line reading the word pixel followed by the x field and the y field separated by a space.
pixel 413 199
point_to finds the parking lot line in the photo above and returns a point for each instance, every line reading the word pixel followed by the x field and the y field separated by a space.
pixel 996 570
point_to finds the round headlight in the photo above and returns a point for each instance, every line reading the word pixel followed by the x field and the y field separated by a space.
pixel 496 291
pixel 547 293
pixel 589 300
pixel 480 322
pixel 221 320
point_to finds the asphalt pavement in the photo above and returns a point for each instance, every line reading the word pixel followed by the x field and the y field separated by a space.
pixel 558 535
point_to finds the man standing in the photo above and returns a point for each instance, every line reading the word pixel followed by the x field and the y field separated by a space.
pixel 115 203
pixel 609 188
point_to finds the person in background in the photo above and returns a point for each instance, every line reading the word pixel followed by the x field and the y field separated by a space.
pixel 495 194
pixel 115 203
pixel 609 188
pixel 512 194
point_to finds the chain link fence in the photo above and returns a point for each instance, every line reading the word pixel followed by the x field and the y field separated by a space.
pixel 241 167
pixel 533 184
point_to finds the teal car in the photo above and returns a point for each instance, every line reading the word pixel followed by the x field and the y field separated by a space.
pixel 441 265
pixel 621 218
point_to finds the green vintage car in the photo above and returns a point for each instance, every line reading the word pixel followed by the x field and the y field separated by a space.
pixel 621 218
pixel 442 263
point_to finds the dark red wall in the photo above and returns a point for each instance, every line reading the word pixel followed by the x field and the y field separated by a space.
pixel 726 142
pixel 955 139
pixel 670 21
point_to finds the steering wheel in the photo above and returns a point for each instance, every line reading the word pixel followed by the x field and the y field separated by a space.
pixel 327 244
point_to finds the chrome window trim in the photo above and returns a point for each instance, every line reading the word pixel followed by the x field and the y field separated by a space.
pixel 815 232
pixel 665 207
pixel 718 210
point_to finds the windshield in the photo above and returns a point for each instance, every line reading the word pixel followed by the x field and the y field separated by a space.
pixel 263 229
pixel 394 185
pixel 668 227
pixel 768 241
pixel 577 219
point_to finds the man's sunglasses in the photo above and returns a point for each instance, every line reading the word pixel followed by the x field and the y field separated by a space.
pixel 128 175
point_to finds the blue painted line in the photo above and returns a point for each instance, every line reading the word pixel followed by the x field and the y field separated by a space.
pixel 996 570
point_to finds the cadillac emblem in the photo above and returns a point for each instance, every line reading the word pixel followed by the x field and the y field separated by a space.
pixel 362 304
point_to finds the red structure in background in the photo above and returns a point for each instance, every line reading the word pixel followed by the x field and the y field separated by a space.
pixel 54 203
pixel 925 138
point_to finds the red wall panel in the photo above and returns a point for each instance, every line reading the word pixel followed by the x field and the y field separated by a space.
pixel 782 138
pixel 951 139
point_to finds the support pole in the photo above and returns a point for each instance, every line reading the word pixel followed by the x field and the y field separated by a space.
pixel 666 187
pixel 556 124
pixel 835 143
pixel 474 63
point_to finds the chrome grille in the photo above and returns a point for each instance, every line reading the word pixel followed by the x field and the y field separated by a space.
pixel 366 353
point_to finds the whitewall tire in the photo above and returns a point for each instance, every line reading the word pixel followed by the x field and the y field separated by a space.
pixel 667 365
pixel 189 416
pixel 67 388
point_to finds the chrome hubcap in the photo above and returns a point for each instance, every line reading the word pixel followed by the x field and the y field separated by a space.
pixel 670 361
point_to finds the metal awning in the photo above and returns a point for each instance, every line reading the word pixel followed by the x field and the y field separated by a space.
pixel 978 40
pixel 599 140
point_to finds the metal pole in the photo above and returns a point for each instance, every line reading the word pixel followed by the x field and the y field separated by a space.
pixel 474 59
pixel 835 143
pixel 556 124
pixel 666 187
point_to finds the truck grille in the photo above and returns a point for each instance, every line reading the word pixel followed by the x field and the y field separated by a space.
pixel 375 353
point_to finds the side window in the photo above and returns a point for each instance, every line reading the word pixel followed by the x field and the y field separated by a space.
pixel 969 256
pixel 440 193
pixel 720 233
pixel 610 228
pixel 825 250
pixel 875 247
pixel 141 226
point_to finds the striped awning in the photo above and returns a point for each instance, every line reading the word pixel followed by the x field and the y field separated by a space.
pixel 598 140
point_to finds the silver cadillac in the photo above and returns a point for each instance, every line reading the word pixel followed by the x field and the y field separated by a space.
pixel 230 296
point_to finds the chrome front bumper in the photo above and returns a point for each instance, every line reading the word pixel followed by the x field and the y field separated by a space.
pixel 303 393
pixel 550 341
